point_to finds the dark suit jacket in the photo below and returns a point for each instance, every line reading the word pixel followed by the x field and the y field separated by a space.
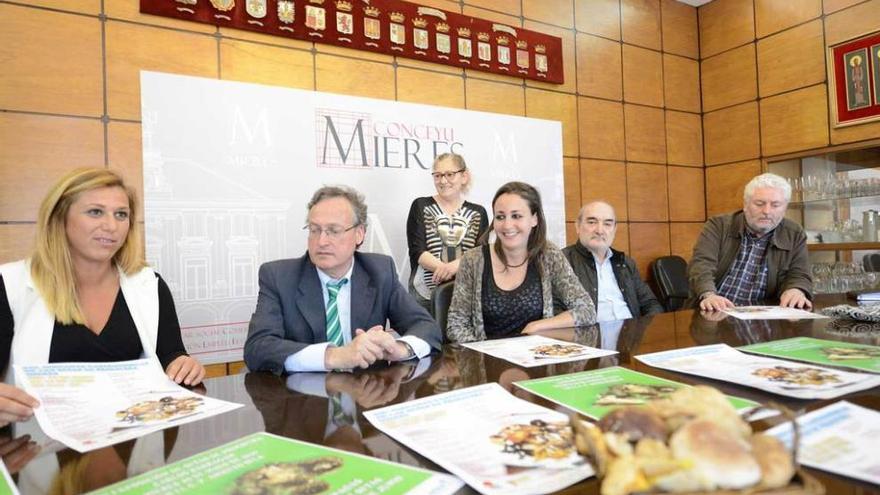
pixel 290 312
pixel 638 296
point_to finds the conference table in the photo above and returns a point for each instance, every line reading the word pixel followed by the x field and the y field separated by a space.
pixel 296 406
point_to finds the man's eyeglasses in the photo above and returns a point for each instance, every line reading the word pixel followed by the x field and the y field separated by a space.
pixel 333 232
pixel 445 175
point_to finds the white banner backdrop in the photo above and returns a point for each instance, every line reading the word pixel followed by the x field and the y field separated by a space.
pixel 229 168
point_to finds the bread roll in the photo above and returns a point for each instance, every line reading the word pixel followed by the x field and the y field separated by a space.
pixel 716 454
pixel 776 463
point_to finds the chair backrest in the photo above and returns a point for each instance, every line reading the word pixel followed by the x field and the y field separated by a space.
pixel 440 301
pixel 872 262
pixel 670 273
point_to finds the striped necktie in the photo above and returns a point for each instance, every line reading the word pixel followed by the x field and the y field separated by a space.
pixel 334 329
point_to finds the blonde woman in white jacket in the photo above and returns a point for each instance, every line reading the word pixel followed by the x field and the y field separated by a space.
pixel 86 294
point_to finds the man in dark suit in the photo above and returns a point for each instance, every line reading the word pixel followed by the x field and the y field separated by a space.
pixel 327 310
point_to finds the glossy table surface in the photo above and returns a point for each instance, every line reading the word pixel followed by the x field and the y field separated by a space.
pixel 296 406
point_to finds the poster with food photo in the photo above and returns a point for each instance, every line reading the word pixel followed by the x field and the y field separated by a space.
pixel 819 351
pixel 534 350
pixel 595 393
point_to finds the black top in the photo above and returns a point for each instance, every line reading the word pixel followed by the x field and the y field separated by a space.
pixel 507 312
pixel 118 341
pixel 423 232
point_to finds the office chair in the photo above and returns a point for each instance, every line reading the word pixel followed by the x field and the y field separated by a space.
pixel 670 273
pixel 440 301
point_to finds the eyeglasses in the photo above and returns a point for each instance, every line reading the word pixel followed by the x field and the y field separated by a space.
pixel 445 175
pixel 333 232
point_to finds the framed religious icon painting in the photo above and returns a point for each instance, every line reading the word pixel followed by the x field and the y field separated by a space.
pixel 854 80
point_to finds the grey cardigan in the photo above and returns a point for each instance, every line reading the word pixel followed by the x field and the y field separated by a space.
pixel 465 322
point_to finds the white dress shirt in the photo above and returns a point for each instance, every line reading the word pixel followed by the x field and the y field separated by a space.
pixel 311 358
pixel 610 304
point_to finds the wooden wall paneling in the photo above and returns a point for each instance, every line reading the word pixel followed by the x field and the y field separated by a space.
pixel 363 78
pixel 687 195
pixel 125 156
pixel 556 106
pixel 645 134
pixel 855 21
pixel 231 34
pixel 646 194
pixel 91 7
pixel 731 134
pixel 679 28
pixel 642 76
pixel 772 16
pixel 683 237
pixel 621 238
pixel 265 64
pixel 647 242
pixel 729 78
pixel 569 69
pixel 681 83
pixel 641 22
pixel 35 151
pixel 51 62
pixel 853 133
pixel 570 233
pixel 571 170
pixel 725 24
pixel 513 7
pixel 603 180
pixel 353 53
pixel 599 71
pixel 599 17
pixel 725 183
pixel 600 125
pixel 132 48
pixel 830 6
pixel 16 241
pixel 791 59
pixel 794 121
pixel 684 139
pixel 488 96
pixel 430 88
pixel 556 12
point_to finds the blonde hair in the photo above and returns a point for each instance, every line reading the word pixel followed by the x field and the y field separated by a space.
pixel 51 265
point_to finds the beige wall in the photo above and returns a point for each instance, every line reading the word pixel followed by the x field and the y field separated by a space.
pixel 764 84
pixel 630 106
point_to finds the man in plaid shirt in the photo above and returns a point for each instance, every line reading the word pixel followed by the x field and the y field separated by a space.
pixel 750 256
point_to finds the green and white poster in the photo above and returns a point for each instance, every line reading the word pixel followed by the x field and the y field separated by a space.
pixel 269 464
pixel 809 350
pixel 7 486
pixel 595 393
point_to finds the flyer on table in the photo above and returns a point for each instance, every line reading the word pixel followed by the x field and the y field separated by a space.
pixel 844 354
pixel 595 393
pixel 495 442
pixel 722 362
pixel 771 313
pixel 840 438
pixel 87 406
pixel 265 463
pixel 7 486
pixel 534 350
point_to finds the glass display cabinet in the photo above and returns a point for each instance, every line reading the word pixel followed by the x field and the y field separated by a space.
pixel 836 197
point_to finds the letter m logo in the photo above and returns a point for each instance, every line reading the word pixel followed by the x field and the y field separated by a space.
pixel 344 139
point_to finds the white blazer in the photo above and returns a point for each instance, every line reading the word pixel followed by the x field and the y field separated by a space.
pixel 34 323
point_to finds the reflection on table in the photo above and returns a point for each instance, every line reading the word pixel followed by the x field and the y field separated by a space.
pixel 327 408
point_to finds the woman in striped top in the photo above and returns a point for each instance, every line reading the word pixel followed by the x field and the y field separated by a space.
pixel 440 228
